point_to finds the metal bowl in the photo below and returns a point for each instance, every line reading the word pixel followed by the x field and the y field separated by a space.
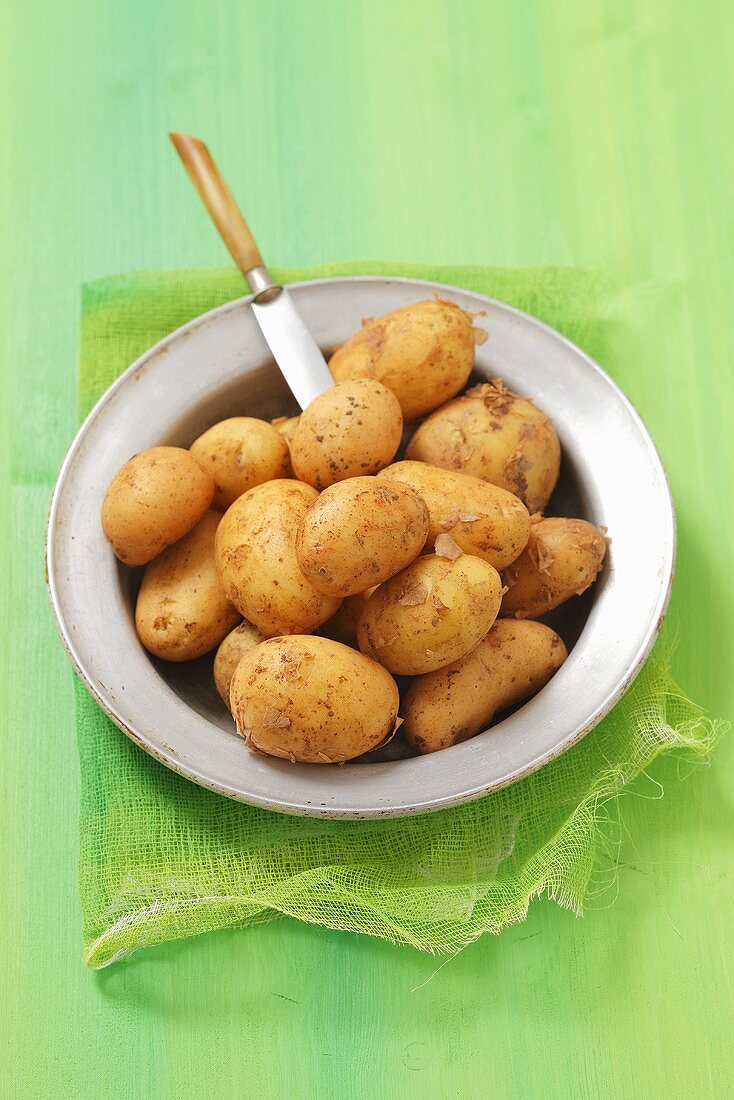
pixel 219 366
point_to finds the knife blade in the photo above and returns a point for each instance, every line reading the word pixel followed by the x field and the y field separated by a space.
pixel 294 349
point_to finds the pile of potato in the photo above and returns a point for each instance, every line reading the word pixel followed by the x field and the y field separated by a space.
pixel 335 569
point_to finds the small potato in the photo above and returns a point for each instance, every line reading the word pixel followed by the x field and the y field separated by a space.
pixel 182 612
pixel 286 425
pixel 431 614
pixel 352 429
pixel 256 560
pixel 493 434
pixel 237 643
pixel 514 661
pixel 359 533
pixel 240 453
pixel 422 352
pixel 312 700
pixel 482 519
pixel 342 627
pixel 155 498
pixel 562 558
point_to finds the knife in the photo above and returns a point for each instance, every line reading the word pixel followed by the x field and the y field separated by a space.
pixel 295 351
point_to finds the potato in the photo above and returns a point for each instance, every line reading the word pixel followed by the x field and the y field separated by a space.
pixel 514 661
pixel 182 612
pixel 352 429
pixel 483 519
pixel 285 425
pixel 495 435
pixel 240 453
pixel 312 700
pixel 237 643
pixel 342 627
pixel 359 533
pixel 562 558
pixel 152 501
pixel 422 352
pixel 431 614
pixel 256 560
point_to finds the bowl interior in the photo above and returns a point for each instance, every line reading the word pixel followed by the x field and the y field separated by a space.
pixel 267 396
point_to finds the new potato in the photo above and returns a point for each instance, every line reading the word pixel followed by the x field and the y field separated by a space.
pixel 423 352
pixel 493 434
pixel 563 557
pixel 152 501
pixel 351 430
pixel 483 519
pixel 240 453
pixel 257 563
pixel 286 425
pixel 342 627
pixel 313 700
pixel 181 611
pixel 359 533
pixel 431 614
pixel 514 661
pixel 231 651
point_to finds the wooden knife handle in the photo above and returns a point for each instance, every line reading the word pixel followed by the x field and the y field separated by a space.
pixel 219 201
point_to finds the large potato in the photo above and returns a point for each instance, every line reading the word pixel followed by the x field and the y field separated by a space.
pixel 237 643
pixel 312 700
pixel 256 559
pixel 495 435
pixel 423 352
pixel 352 429
pixel 359 533
pixel 514 661
pixel 155 498
pixel 431 614
pixel 483 519
pixel 562 558
pixel 182 612
pixel 240 453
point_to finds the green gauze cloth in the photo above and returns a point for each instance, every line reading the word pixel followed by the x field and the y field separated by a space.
pixel 162 858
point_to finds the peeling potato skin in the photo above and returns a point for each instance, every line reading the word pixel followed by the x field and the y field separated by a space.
pixel 431 614
pixel 256 560
pixel 423 352
pixel 562 559
pixel 351 430
pixel 239 453
pixel 181 611
pixel 231 651
pixel 359 533
pixel 312 700
pixel 495 435
pixel 153 501
pixel 514 661
pixel 483 519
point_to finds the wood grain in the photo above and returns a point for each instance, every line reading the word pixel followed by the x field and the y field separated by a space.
pixel 218 200
pixel 592 133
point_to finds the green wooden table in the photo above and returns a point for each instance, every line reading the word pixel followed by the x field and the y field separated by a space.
pixel 596 132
